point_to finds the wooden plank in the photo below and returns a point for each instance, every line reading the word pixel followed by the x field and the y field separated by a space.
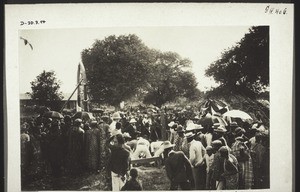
pixel 145 160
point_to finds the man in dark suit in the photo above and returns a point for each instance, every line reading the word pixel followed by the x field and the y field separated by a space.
pixel 178 167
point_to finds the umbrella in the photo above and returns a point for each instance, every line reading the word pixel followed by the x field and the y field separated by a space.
pixel 237 114
pixel 209 120
pixel 54 115
pixel 83 115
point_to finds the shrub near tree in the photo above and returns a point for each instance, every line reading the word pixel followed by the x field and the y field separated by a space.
pixel 45 90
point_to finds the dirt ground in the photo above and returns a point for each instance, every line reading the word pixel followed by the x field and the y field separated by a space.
pixel 151 178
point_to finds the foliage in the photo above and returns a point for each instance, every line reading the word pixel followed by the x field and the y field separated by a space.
pixel 244 68
pixel 121 68
pixel 45 90
pixel 116 68
pixel 169 80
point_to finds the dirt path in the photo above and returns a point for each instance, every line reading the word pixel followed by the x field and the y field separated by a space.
pixel 151 178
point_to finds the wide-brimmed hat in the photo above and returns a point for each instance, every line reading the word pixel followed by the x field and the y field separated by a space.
pixel 198 127
pixel 224 150
pixel 168 144
pixel 78 120
pixel 171 124
pixel 216 125
pixel 132 120
pixel 189 121
pixel 220 129
pixel 196 118
pixel 239 138
pixel 216 143
pixel 93 123
pixel 239 130
pixel 190 127
pixel 209 148
pixel 234 124
pixel 126 135
pixel 116 116
pixel 189 135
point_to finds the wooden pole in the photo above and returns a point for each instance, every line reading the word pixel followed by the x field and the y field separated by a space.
pixel 71 96
pixel 163 126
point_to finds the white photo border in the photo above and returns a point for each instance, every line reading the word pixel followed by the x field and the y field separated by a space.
pixel 163 14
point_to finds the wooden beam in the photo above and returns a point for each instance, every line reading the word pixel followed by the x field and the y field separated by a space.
pixel 146 160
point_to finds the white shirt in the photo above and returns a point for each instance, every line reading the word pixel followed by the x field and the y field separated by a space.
pixel 143 141
pixel 196 152
pixel 208 138
pixel 154 146
pixel 112 127
pixel 209 160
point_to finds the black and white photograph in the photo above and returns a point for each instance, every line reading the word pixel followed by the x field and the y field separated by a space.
pixel 153 108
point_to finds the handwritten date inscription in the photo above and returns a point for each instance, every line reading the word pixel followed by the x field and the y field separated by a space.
pixel 32 22
pixel 276 11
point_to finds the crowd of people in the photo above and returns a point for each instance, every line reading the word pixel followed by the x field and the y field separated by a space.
pixel 195 156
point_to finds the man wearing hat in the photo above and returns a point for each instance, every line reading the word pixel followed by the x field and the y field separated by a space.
pixel 241 151
pixel 219 134
pixel 258 151
pixel 119 162
pixel 173 127
pixel 115 118
pixel 76 147
pixel 131 128
pixel 217 166
pixel 231 169
pixel 179 138
pixel 230 134
pixel 196 157
pixel 92 147
pixel 117 130
pixel 178 168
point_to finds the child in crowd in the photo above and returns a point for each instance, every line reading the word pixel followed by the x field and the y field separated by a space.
pixel 132 184
pixel 209 158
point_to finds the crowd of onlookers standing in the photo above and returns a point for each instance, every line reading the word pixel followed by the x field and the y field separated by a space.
pixel 195 155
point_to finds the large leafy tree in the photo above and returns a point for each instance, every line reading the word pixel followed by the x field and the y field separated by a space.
pixel 116 68
pixel 121 68
pixel 45 90
pixel 170 79
pixel 244 68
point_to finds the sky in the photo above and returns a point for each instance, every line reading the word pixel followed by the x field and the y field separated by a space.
pixel 60 49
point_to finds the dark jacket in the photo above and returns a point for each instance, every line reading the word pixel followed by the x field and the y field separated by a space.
pixel 119 160
pixel 178 167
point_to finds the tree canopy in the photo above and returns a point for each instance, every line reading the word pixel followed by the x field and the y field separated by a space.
pixel 116 67
pixel 123 67
pixel 244 68
pixel 45 90
pixel 169 80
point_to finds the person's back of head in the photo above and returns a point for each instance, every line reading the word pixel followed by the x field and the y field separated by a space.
pixel 118 125
pixel 133 173
pixel 120 139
